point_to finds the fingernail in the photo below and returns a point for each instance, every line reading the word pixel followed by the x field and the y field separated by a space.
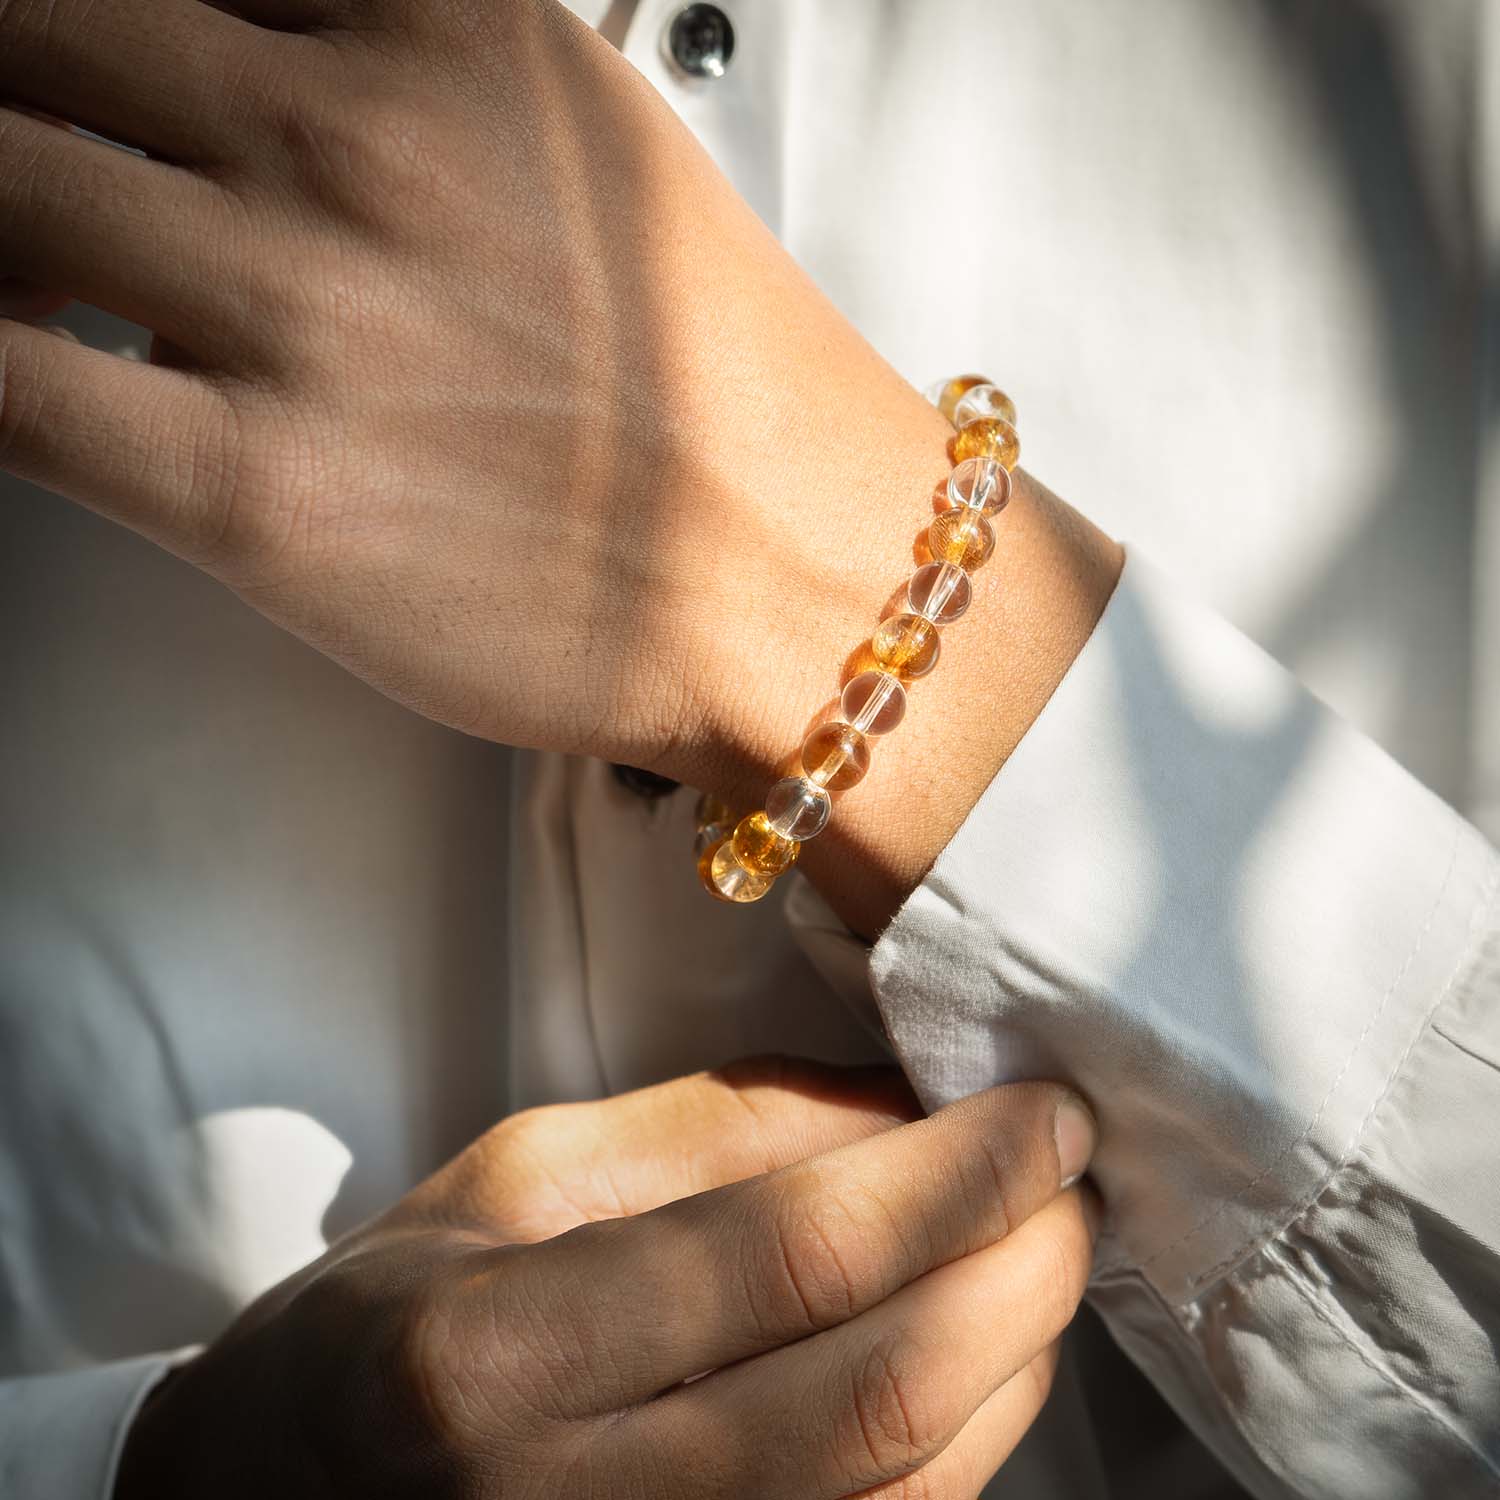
pixel 1076 1135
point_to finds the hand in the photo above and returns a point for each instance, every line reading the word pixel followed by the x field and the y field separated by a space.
pixel 463 368
pixel 472 370
pixel 880 1300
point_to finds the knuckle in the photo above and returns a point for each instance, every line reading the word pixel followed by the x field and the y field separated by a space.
pixel 562 1355
pixel 524 1130
pixel 996 1169
pixel 267 493
pixel 376 159
pixel 534 1140
pixel 457 1368
pixel 1010 1156
pixel 1061 1260
pixel 817 1263
pixel 427 1368
pixel 503 1174
pixel 554 1175
pixel 896 1422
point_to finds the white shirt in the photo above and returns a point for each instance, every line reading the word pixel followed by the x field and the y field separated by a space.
pixel 272 948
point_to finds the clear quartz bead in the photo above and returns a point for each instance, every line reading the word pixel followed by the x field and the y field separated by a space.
pixel 945 394
pixel 709 837
pixel 874 702
pixel 984 401
pixel 939 591
pixel 797 808
pixel 731 881
pixel 981 484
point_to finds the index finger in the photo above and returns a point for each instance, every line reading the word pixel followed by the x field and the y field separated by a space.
pixel 636 1305
pixel 544 1171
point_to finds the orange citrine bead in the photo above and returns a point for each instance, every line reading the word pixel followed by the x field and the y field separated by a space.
pixel 705 846
pixel 906 646
pixel 987 437
pixel 950 393
pixel 961 536
pixel 835 756
pixel 761 849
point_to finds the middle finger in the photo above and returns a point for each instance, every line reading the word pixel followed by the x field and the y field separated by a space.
pixel 134 237
pixel 176 78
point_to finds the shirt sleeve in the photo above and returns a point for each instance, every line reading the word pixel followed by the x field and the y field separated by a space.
pixel 1271 959
pixel 61 1434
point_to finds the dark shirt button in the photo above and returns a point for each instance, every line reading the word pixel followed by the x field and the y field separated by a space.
pixel 700 41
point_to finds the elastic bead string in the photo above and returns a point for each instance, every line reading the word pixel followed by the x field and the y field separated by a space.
pixel 740 860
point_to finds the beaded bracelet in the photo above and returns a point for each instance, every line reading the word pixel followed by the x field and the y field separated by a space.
pixel 740 861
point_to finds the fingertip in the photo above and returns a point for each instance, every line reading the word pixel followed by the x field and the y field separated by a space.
pixel 1076 1133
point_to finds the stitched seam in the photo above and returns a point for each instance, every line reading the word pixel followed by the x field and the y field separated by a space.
pixel 1228 1203
pixel 1274 1462
pixel 1412 1397
pixel 1465 952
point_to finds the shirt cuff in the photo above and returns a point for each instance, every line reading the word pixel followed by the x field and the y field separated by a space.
pixel 1207 901
pixel 61 1434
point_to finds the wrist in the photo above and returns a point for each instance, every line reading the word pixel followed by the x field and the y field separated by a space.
pixel 844 552
pixel 1035 604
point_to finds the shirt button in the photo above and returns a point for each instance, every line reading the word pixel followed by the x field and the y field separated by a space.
pixel 700 41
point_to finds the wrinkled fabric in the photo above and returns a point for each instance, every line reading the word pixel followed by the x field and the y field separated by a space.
pixel 1267 955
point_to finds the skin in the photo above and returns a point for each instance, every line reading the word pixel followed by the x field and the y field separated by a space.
pixel 878 1304
pixel 471 370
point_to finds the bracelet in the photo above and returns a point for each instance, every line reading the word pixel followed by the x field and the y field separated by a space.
pixel 739 861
